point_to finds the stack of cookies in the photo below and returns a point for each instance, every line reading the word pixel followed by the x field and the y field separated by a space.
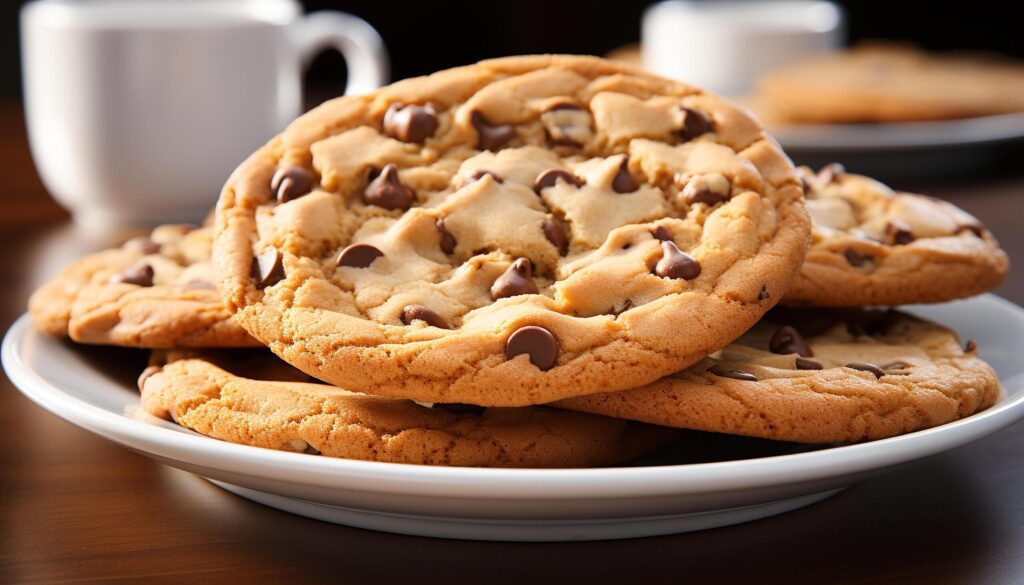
pixel 543 261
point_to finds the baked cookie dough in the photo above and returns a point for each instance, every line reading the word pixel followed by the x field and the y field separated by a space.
pixel 880 82
pixel 874 246
pixel 276 407
pixel 157 291
pixel 510 233
pixel 818 376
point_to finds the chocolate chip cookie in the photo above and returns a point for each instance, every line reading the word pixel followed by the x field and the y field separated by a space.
pixel 156 291
pixel 890 83
pixel 276 407
pixel 510 233
pixel 874 246
pixel 818 376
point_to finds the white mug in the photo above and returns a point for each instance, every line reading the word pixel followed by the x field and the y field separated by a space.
pixel 725 46
pixel 138 110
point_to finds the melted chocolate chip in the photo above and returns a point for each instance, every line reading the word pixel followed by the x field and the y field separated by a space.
pixel 830 173
pixel 420 313
pixel 459 408
pixel 412 123
pixel 140 275
pixel 787 339
pixel 898 233
pixel 971 346
pixel 536 342
pixel 675 263
pixel 551 177
pixel 624 181
pixel 142 245
pixel 660 232
pixel 290 183
pixel 517 280
pixel 358 256
pixel 803 363
pixel 566 124
pixel 489 136
pixel 481 173
pixel 147 374
pixel 866 368
pixel 268 268
pixel 447 239
pixel 555 234
pixel 763 293
pixel 695 123
pixel 734 374
pixel 855 258
pixel 387 191
pixel 897 365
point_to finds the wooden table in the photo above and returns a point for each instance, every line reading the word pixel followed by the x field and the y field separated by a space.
pixel 75 508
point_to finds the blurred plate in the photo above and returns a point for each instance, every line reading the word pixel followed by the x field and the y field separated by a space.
pixel 899 136
pixel 702 481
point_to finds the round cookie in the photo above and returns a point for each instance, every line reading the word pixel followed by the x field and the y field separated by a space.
pixel 818 376
pixel 890 83
pixel 153 292
pixel 873 246
pixel 510 233
pixel 273 409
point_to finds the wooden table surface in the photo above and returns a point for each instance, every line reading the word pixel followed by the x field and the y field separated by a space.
pixel 75 508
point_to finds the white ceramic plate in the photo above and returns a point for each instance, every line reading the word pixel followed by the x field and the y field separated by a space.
pixel 733 480
pixel 863 138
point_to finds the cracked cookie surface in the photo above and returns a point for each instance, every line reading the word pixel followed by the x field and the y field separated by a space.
pixel 818 376
pixel 871 245
pixel 156 291
pixel 510 233
pixel 276 407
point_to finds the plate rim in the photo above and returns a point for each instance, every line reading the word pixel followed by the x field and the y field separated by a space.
pixel 496 483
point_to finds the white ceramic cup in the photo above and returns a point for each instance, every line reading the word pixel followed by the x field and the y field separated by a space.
pixel 138 110
pixel 723 46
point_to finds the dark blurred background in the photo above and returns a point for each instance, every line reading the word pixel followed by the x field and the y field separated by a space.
pixel 426 36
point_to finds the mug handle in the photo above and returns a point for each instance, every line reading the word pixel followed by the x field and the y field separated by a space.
pixel 360 45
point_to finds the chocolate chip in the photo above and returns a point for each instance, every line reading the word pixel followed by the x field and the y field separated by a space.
pixel 898 233
pixel 734 374
pixel 291 183
pixel 695 123
pixel 708 189
pixel 971 346
pixel 198 284
pixel 763 293
pixel 660 232
pixel 147 374
pixel 830 173
pixel 620 309
pixel 418 312
pixel 675 263
pixel 806 364
pixel 787 339
pixel 517 280
pixel 447 239
pixel 459 408
pixel 268 268
pixel 855 258
pixel 387 191
pixel 481 173
pixel 536 342
pixel 555 234
pixel 141 275
pixel 623 181
pixel 866 368
pixel 897 365
pixel 567 124
pixel 142 245
pixel 551 176
pixel 358 256
pixel 491 136
pixel 412 123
